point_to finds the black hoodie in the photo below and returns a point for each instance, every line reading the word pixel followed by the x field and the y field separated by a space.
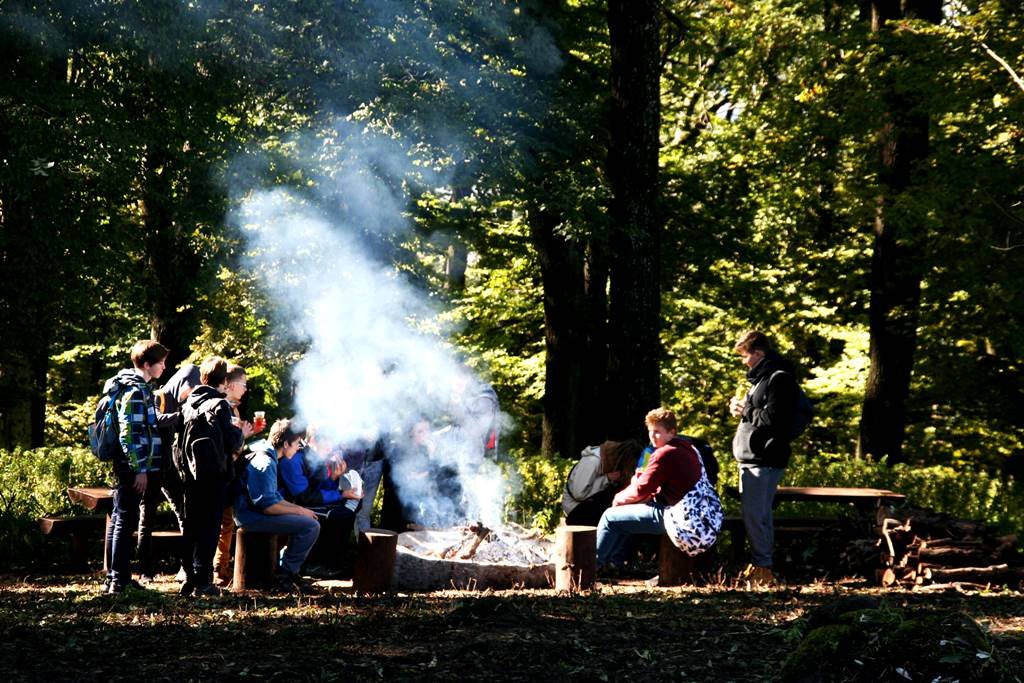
pixel 199 401
pixel 762 437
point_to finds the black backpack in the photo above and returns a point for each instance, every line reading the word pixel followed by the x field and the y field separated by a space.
pixel 707 454
pixel 803 412
pixel 105 430
pixel 199 446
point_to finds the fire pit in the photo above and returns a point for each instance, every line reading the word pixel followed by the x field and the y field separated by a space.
pixel 472 558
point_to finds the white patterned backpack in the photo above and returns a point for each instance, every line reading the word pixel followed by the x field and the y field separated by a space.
pixel 694 522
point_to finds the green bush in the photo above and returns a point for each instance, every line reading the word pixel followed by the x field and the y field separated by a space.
pixel 538 502
pixel 33 483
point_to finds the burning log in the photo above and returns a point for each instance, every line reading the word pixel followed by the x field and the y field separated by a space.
pixel 482 533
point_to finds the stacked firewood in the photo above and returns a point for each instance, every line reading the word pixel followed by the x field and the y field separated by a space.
pixel 919 547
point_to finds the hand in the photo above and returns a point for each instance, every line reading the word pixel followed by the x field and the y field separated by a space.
pixel 336 467
pixel 140 483
pixel 306 512
pixel 736 406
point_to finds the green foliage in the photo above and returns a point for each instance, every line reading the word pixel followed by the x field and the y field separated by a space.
pixel 33 483
pixel 539 501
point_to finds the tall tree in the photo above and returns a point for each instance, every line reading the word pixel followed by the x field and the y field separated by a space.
pixel 897 264
pixel 634 312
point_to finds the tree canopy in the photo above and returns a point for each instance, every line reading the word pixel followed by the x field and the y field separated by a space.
pixel 595 198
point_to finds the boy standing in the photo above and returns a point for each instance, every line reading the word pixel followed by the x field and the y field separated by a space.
pixel 673 469
pixel 761 445
pixel 140 455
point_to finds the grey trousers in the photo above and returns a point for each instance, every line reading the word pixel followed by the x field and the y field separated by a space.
pixel 757 490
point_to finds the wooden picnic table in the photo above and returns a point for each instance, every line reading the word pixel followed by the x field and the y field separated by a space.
pixel 865 500
pixel 96 498
pixel 861 498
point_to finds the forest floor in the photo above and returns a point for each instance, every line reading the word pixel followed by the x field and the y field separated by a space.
pixel 64 628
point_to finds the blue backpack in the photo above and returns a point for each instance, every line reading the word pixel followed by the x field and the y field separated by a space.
pixel 105 430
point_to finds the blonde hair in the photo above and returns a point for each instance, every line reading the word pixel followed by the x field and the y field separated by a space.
pixel 662 417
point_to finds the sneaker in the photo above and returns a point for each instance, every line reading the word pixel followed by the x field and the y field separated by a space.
pixel 117 587
pixel 146 579
pixel 207 590
pixel 187 589
pixel 288 583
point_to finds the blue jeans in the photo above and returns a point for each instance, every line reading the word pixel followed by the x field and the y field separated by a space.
pixel 124 519
pixel 371 474
pixel 757 491
pixel 302 533
pixel 619 523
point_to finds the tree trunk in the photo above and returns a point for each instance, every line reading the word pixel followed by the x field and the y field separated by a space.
pixel 896 266
pixel 570 327
pixel 635 292
pixel 171 260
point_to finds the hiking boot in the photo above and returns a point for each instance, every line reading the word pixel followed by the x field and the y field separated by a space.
pixel 761 577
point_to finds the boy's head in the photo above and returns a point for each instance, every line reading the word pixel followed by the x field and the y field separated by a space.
pixel 285 438
pixel 618 457
pixel 661 426
pixel 214 372
pixel 236 384
pixel 752 347
pixel 149 358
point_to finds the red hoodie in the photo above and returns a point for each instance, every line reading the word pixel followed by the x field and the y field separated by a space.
pixel 671 472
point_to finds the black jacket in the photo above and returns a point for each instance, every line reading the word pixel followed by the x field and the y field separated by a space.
pixel 762 437
pixel 231 436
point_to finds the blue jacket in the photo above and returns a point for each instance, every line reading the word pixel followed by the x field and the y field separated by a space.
pixel 303 481
pixel 259 483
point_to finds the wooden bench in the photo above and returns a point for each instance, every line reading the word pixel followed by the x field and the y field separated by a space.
pixel 866 501
pixel 101 499
pixel 78 530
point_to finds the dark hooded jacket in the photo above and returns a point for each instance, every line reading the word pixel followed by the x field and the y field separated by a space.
pixel 762 437
pixel 203 399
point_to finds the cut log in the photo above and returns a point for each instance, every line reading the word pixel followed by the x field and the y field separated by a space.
pixel 676 568
pixel 255 560
pixel 375 561
pixel 575 558
pixel 993 574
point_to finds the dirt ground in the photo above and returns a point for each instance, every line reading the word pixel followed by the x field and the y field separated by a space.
pixel 64 628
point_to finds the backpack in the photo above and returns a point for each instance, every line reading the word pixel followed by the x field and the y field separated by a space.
pixel 693 524
pixel 707 456
pixel 105 430
pixel 803 412
pixel 199 446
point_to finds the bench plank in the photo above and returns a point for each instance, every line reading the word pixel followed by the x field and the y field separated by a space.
pixel 99 498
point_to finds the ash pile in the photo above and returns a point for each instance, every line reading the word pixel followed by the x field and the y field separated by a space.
pixel 472 557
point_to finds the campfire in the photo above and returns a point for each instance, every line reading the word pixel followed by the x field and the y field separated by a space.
pixel 472 557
